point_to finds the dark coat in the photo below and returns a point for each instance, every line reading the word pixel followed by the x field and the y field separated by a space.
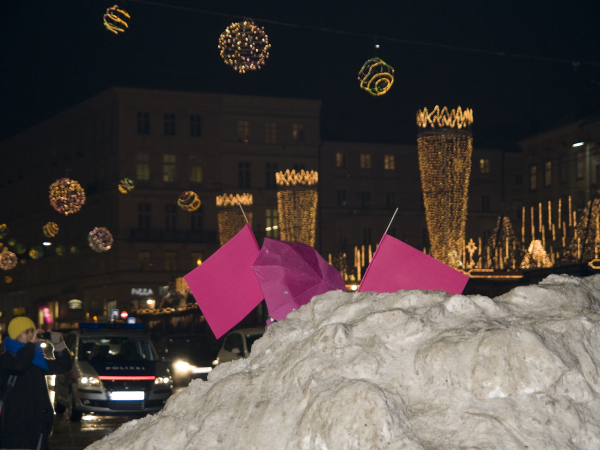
pixel 27 412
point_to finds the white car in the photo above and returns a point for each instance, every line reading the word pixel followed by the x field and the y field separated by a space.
pixel 238 344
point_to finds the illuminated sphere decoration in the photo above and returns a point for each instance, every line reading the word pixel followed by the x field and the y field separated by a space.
pixel 50 230
pixel 23 261
pixel 376 77
pixel 100 240
pixel 115 19
pixel 7 279
pixel 244 46
pixel 12 242
pixel 230 216
pixel 8 260
pixel 36 252
pixel 189 201
pixel 74 250
pixel 66 196
pixel 297 205
pixel 20 249
pixel 60 250
pixel 3 230
pixel 125 186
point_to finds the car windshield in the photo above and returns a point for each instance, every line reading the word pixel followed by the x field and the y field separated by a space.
pixel 251 338
pixel 106 349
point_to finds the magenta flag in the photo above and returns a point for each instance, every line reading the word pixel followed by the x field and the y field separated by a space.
pixel 225 286
pixel 396 266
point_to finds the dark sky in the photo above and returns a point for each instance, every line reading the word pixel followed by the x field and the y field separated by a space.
pixel 56 54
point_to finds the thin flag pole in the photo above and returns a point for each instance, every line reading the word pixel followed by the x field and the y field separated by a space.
pixel 390 224
pixel 247 218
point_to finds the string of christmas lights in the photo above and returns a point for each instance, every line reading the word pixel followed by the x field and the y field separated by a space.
pixel 457 118
pixel 234 200
pixel 189 201
pixel 8 260
pixel 36 252
pixel 297 205
pixel 376 77
pixel 50 230
pixel 100 240
pixel 244 46
pixel 66 196
pixel 115 19
pixel 125 186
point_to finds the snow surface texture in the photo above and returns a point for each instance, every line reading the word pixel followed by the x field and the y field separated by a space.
pixel 410 370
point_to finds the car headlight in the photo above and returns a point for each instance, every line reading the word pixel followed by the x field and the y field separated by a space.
pixel 216 361
pixel 162 380
pixel 89 381
pixel 182 366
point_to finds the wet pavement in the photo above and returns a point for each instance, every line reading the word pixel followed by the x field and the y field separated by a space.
pixel 67 435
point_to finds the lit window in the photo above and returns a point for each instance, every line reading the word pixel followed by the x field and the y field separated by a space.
pixel 580 165
pixel 365 161
pixel 196 125
pixel 169 168
pixel 339 160
pixel 170 124
pixel 143 167
pixel 195 169
pixel 533 178
pixel 272 223
pixel 548 173
pixel 270 132
pixel 484 166
pixel 243 131
pixel 389 162
pixel 170 260
pixel 298 133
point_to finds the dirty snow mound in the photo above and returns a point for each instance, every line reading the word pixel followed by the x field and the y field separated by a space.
pixel 411 370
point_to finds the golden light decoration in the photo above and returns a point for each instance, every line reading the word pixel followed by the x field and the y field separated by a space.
pixel 20 249
pixel 66 196
pixel 505 249
pixel 189 201
pixel 60 250
pixel 7 279
pixel 376 77
pixel 457 118
pixel 297 205
pixel 8 260
pixel 445 166
pixel 12 242
pixel 36 252
pixel 536 256
pixel 100 240
pixel 115 19
pixel 244 46
pixel 3 230
pixel 181 287
pixel 585 243
pixel 50 230
pixel 230 217
pixel 74 250
pixel 125 186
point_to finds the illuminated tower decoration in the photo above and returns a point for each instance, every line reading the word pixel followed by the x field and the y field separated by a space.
pixel 244 46
pixel 376 77
pixel 297 205
pixel 445 146
pixel 585 243
pixel 230 217
pixel 504 248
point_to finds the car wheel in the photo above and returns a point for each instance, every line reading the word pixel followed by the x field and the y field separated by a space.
pixel 74 415
pixel 58 408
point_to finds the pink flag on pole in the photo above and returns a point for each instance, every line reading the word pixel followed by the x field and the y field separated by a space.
pixel 225 286
pixel 396 266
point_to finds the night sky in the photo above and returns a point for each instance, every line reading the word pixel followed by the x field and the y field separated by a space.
pixel 56 54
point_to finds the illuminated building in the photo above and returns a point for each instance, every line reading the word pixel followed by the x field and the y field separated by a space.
pixel 297 205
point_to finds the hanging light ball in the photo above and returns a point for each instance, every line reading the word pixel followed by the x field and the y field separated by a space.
pixel 36 252
pixel 7 279
pixel 125 186
pixel 12 242
pixel 100 239
pixel 3 230
pixel 60 250
pixel 189 201
pixel 23 261
pixel 115 19
pixel 50 230
pixel 20 249
pixel 376 77
pixel 8 260
pixel 66 196
pixel 74 250
pixel 244 46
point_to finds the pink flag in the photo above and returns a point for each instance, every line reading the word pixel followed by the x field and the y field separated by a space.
pixel 225 286
pixel 396 266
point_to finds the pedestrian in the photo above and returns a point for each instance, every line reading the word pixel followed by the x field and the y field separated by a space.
pixel 26 416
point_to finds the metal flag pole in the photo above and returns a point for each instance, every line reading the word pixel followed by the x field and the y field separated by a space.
pixel 390 224
pixel 247 218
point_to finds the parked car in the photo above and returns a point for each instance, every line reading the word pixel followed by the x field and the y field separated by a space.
pixel 188 356
pixel 116 370
pixel 238 344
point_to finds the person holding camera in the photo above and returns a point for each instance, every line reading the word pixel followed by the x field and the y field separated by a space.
pixel 27 415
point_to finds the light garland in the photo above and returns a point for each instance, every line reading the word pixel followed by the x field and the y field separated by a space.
pixel 376 77
pixel 244 46
pixel 20 249
pixel 506 250
pixel 189 201
pixel 100 240
pixel 230 217
pixel 8 260
pixel 7 279
pixel 536 256
pixel 50 230
pixel 585 244
pixel 3 230
pixel 66 196
pixel 125 186
pixel 115 19
pixel 74 250
pixel 457 118
pixel 445 166
pixel 293 178
pixel 297 205
pixel 36 252
pixel 12 242
pixel 60 250
pixel 181 287
pixel 234 199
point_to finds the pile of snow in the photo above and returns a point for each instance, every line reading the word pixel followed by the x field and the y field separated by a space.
pixel 410 370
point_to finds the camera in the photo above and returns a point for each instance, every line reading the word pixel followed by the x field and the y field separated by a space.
pixel 46 336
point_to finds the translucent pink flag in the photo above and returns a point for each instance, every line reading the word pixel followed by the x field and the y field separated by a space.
pixel 225 286
pixel 396 266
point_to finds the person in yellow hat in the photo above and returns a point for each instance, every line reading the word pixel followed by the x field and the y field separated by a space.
pixel 26 416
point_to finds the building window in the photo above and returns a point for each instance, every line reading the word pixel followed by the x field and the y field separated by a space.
pixel 485 202
pixel 365 161
pixel 243 131
pixel 548 173
pixel 390 199
pixel 144 216
pixel 367 236
pixel 170 260
pixel 580 165
pixel 169 124
pixel 270 132
pixel 484 166
pixel 389 162
pixel 298 133
pixel 340 161
pixel 243 174
pixel 270 171
pixel 195 169
pixel 196 259
pixel 143 122
pixel 342 236
pixel 169 168
pixel 424 237
pixel 563 169
pixel 144 260
pixel 341 197
pixel 519 179
pixel 365 199
pixel 272 223
pixel 533 178
pixel 196 125
pixel 197 220
pixel 170 217
pixel 143 167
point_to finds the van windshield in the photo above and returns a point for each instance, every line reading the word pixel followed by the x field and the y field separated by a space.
pixel 108 349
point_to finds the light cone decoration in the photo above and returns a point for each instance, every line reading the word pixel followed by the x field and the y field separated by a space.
pixel 504 248
pixel 585 243
pixel 536 256
pixel 230 217
pixel 297 205
pixel 445 148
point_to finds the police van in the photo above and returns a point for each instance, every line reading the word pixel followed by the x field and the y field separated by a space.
pixel 116 370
